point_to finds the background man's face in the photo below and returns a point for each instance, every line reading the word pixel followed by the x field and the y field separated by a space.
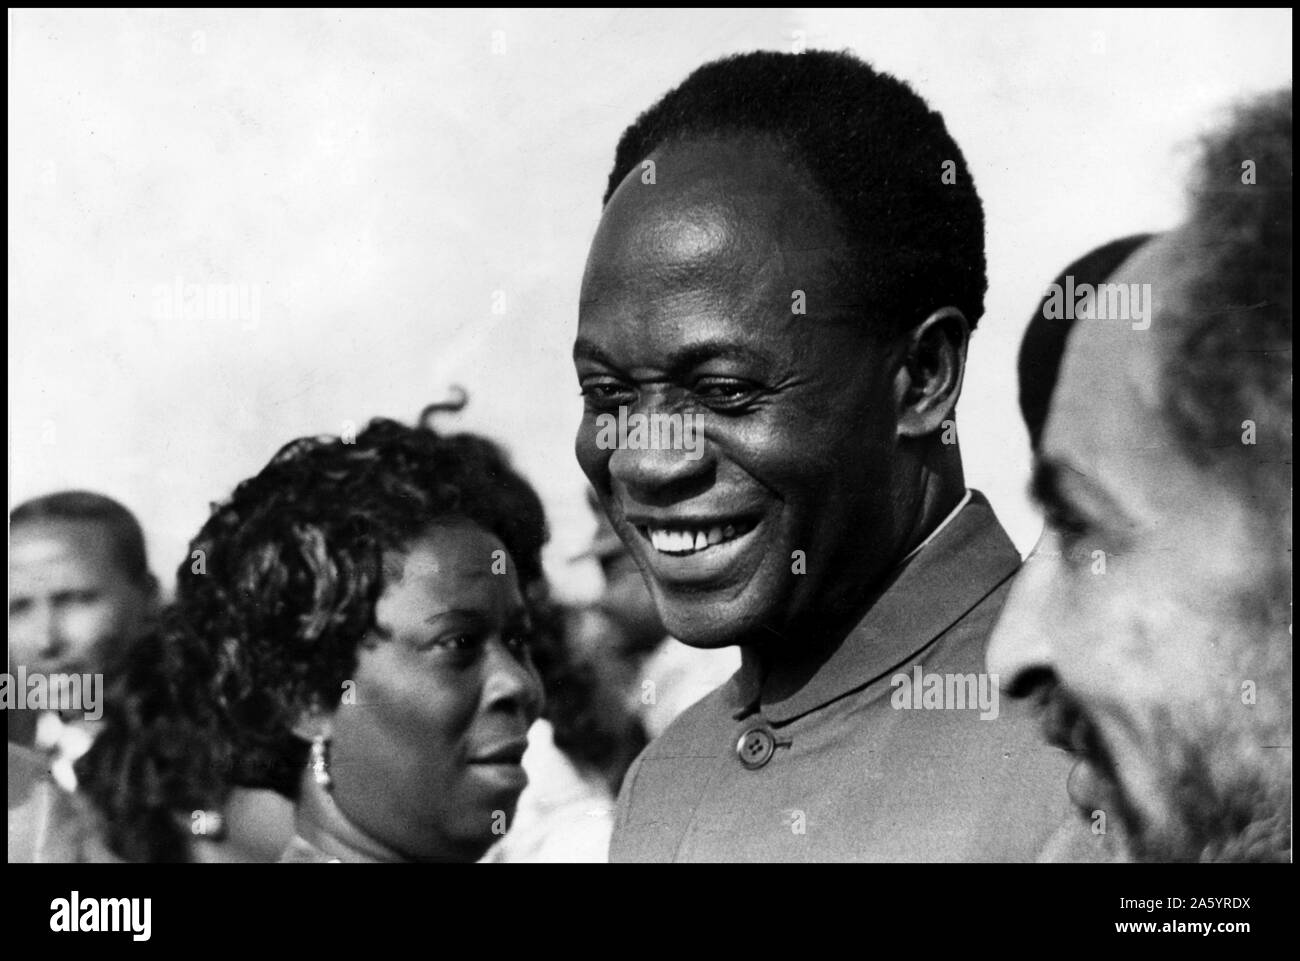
pixel 1173 665
pixel 627 599
pixel 687 308
pixel 69 599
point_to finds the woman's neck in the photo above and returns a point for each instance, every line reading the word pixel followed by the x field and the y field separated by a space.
pixel 320 822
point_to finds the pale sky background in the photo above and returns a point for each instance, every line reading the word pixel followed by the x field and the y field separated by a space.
pixel 376 183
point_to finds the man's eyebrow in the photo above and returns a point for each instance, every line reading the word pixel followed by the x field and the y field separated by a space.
pixel 586 350
pixel 684 358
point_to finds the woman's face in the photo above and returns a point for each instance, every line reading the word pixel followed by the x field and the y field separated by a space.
pixel 427 741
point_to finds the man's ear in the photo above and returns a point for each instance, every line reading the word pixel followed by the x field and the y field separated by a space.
pixel 929 378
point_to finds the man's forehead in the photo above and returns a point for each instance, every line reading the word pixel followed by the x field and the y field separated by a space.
pixel 715 206
pixel 53 538
pixel 1108 397
pixel 52 564
pixel 667 244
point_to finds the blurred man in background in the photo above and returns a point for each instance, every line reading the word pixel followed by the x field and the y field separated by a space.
pixel 662 676
pixel 612 677
pixel 1152 620
pixel 80 589
pixel 80 592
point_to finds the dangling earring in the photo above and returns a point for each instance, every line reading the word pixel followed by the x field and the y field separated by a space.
pixel 320 762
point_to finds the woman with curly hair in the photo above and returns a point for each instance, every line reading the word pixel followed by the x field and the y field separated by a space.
pixel 351 631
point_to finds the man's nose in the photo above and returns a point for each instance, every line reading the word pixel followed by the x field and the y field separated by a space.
pixel 47 629
pixel 654 474
pixel 665 457
pixel 1020 647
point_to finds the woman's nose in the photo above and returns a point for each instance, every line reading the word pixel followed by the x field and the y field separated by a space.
pixel 511 680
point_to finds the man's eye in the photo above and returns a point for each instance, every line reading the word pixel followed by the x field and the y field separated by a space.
pixel 1068 527
pixel 519 641
pixel 1071 531
pixel 607 393
pixel 724 393
pixel 79 597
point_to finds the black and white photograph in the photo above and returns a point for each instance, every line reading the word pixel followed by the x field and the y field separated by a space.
pixel 594 436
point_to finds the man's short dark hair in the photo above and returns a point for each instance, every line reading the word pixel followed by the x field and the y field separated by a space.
pixel 1233 361
pixel 86 507
pixel 876 152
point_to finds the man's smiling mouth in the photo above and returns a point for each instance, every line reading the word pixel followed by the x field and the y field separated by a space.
pixel 685 541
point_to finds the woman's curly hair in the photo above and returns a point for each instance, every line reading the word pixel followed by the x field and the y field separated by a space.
pixel 278 592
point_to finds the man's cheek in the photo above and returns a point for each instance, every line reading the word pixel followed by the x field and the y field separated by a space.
pixel 593 461
pixel 1091 627
pixel 89 627
pixel 23 640
pixel 1141 659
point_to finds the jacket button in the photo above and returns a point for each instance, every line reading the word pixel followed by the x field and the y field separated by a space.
pixel 755 747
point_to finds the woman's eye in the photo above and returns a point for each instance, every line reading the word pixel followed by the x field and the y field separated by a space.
pixel 457 643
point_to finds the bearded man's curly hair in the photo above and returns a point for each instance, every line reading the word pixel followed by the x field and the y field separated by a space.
pixel 278 592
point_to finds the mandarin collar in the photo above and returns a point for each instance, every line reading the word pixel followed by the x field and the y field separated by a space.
pixel 968 559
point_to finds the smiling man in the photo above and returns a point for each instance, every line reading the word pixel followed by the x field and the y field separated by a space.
pixel 792 253
pixel 1153 619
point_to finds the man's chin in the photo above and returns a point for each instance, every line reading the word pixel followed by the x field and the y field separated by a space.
pixel 705 621
pixel 701 630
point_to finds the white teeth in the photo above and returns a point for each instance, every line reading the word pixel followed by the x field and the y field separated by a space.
pixel 689 542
